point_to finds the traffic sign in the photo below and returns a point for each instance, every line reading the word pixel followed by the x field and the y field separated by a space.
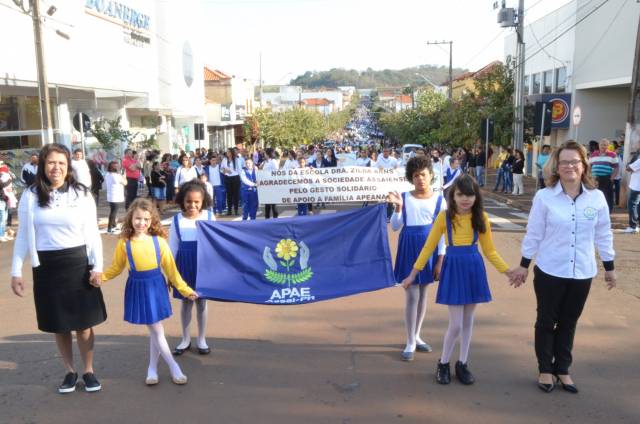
pixel 577 116
pixel 86 122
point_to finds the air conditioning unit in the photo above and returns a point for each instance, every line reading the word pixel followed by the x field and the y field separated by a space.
pixel 507 17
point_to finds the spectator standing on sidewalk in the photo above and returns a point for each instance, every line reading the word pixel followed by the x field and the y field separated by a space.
pixel 132 168
pixel 518 173
pixel 543 157
pixel 115 183
pixel 80 167
pixel 481 161
pixel 618 174
pixel 633 202
pixel 29 170
pixel 604 164
pixel 568 218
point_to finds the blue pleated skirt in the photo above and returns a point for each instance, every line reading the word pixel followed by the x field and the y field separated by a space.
pixel 463 279
pixel 187 264
pixel 146 297
pixel 412 239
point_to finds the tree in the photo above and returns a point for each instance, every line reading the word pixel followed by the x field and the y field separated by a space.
pixel 110 134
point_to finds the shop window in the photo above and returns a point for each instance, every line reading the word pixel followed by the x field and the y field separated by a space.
pixel 547 81
pixel 561 80
pixel 21 113
pixel 536 83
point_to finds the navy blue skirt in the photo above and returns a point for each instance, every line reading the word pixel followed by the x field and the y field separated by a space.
pixel 463 279
pixel 187 264
pixel 146 297
pixel 412 239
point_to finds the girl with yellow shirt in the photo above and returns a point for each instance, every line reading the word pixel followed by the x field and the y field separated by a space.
pixel 463 279
pixel 146 298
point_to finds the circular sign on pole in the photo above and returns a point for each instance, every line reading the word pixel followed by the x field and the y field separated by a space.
pixel 86 122
pixel 577 116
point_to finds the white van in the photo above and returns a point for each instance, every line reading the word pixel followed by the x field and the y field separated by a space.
pixel 409 151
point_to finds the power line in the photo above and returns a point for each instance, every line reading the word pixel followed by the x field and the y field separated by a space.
pixel 561 34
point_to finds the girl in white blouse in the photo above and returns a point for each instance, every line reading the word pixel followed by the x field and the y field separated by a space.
pixel 231 167
pixel 185 173
pixel 567 219
pixel 58 231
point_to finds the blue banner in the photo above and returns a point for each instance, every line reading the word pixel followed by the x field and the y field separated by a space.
pixel 295 261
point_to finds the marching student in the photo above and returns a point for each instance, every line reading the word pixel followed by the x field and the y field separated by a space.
pixel 204 180
pixel 185 173
pixel 216 178
pixel 271 164
pixel 249 191
pixel 453 171
pixel 415 212
pixel 463 279
pixel 146 300
pixel 303 208
pixel 195 203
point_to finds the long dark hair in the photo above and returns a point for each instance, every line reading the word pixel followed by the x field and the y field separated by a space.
pixel 41 185
pixel 467 186
pixel 233 157
pixel 195 186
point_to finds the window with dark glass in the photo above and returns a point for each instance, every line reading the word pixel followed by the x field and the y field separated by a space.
pixel 536 83
pixel 547 81
pixel 561 80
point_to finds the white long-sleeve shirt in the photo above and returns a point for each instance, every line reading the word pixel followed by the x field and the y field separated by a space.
pixel 246 181
pixel 184 175
pixel 228 166
pixel 214 175
pixel 115 187
pixel 69 221
pixel 271 165
pixel 387 163
pixel 420 212
pixel 291 164
pixel 562 232
pixel 188 230
pixel 81 172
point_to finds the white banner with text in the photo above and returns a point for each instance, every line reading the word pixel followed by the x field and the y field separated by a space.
pixel 329 185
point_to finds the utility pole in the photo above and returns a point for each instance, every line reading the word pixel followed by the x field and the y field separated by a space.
pixel 450 43
pixel 43 86
pixel 260 80
pixel 518 139
pixel 632 133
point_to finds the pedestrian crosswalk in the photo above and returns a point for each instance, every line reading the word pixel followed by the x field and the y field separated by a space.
pixel 504 217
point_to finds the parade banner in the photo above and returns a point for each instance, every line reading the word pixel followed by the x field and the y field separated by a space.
pixel 329 185
pixel 296 261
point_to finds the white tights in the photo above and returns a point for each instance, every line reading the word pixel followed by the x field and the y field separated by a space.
pixel 414 312
pixel 460 324
pixel 158 346
pixel 201 317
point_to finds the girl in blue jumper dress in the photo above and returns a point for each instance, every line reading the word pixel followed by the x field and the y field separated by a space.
pixel 415 212
pixel 195 203
pixel 146 299
pixel 249 191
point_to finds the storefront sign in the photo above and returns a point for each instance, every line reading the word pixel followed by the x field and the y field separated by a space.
pixel 329 185
pixel 120 13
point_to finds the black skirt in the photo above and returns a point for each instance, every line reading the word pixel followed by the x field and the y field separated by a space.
pixel 65 301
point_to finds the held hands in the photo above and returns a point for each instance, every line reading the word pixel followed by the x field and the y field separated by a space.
pixel 95 279
pixel 517 276
pixel 610 279
pixel 193 296
pixel 17 285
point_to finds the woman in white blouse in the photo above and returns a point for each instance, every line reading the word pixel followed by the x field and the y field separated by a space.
pixel 271 164
pixel 59 233
pixel 568 218
pixel 185 173
pixel 116 182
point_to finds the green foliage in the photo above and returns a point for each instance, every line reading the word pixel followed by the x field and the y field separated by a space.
pixel 284 278
pixel 371 79
pixel 298 126
pixel 110 134
pixel 456 123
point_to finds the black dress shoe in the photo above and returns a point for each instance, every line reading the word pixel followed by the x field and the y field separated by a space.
pixel 229 213
pixel 177 351
pixel 443 374
pixel 571 388
pixel 547 388
pixel 463 374
pixel 205 351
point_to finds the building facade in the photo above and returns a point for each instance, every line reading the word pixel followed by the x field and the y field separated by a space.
pixel 132 59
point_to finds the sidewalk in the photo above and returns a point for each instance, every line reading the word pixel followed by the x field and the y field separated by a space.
pixel 619 217
pixel 627 246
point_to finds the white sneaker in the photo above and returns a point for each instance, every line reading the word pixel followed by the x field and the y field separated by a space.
pixel 630 230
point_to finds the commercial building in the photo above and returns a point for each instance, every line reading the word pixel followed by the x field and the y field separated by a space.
pixel 135 60
pixel 581 56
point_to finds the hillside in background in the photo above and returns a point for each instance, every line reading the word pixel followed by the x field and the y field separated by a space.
pixel 370 78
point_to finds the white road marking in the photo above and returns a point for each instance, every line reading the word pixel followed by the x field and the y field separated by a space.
pixel 520 215
pixel 504 223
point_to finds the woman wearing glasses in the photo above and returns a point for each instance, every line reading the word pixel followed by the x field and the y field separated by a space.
pixel 568 218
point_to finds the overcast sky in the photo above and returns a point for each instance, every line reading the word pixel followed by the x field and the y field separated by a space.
pixel 299 35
